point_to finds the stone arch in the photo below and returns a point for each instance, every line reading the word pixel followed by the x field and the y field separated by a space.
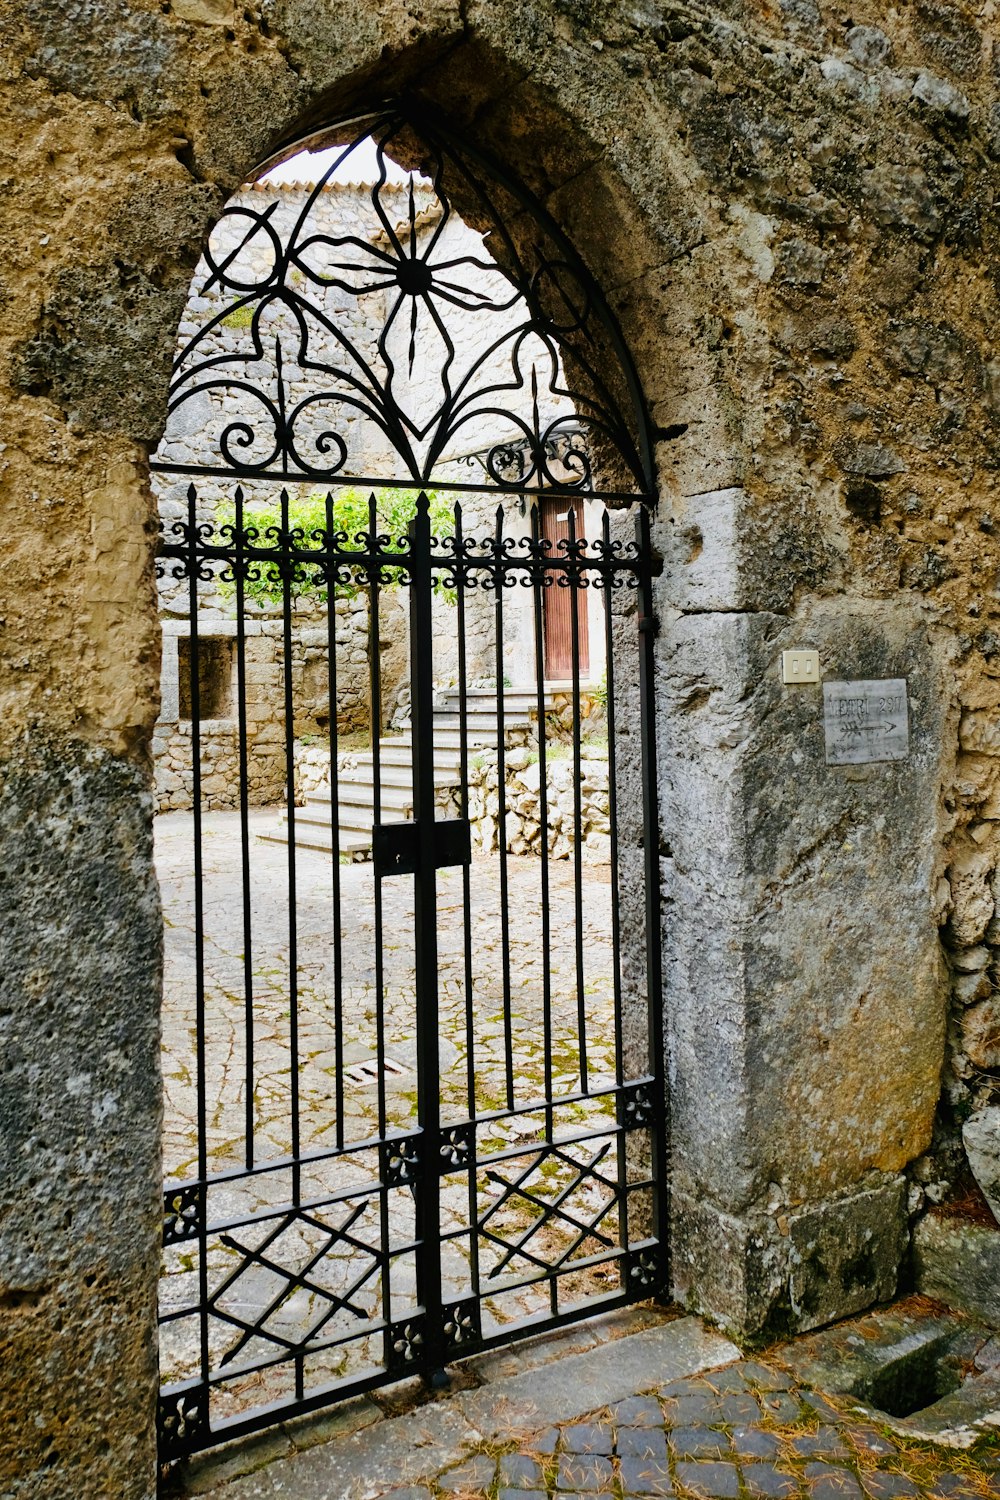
pixel 634 309
pixel 126 140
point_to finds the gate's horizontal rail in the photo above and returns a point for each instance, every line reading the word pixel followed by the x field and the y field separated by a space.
pixel 455 1131
pixel 378 560
pixel 377 482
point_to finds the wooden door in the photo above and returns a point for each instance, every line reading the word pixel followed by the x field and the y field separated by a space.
pixel 559 603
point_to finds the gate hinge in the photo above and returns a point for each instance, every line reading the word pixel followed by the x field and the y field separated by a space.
pixel 649 624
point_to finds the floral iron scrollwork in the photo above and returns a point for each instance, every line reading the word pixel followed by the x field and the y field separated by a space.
pixel 485 341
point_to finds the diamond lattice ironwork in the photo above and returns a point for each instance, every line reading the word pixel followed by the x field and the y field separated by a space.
pixel 296 1266
pixel 558 1226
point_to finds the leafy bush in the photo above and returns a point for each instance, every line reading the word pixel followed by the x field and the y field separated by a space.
pixel 307 520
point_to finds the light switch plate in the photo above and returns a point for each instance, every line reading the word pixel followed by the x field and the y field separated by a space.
pixel 800 666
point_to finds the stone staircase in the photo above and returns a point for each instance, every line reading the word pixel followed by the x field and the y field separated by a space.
pixel 356 787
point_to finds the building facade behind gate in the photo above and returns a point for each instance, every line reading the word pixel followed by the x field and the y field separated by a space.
pixel 339 210
pixel 792 214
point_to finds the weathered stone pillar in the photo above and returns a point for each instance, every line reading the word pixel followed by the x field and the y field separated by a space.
pixel 79 1116
pixel 804 987
pixel 80 959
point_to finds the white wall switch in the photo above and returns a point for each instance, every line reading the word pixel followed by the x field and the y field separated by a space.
pixel 800 666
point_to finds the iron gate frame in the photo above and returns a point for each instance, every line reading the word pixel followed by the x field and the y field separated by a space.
pixel 442 1330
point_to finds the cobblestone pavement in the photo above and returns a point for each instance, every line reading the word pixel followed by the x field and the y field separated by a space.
pixel 745 1431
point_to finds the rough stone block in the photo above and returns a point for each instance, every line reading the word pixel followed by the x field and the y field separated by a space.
pixel 644 1476
pixel 710 1481
pixel 585 1472
pixel 957 1261
pixel 981 1032
pixel 754 1271
pixel 641 1442
pixel 519 1472
pixel 701 550
pixel 846 1255
pixel 80 1188
pixel 768 1483
pixel 726 1264
pixel 981 1138
pixel 698 1442
pixel 588 1437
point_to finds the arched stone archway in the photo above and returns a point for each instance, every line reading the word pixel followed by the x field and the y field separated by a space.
pixel 759 271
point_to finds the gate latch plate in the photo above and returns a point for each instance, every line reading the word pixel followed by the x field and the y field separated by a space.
pixel 396 846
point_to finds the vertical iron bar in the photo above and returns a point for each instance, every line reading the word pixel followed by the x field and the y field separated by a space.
pixel 286 568
pixel 470 1167
pixel 651 867
pixel 607 577
pixel 463 771
pixel 539 558
pixel 375 679
pixel 539 555
pixel 575 580
pixel 239 569
pixel 428 1212
pixel 333 731
pixel 372 572
pixel 375 689
pixel 194 690
pixel 500 577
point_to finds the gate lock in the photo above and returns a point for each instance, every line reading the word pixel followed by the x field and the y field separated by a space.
pixel 396 846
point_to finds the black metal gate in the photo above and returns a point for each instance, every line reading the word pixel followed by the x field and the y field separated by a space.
pixel 413 1040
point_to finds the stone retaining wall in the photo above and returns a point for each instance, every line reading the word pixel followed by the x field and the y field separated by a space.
pixel 523 820
pixel 264 654
pixel 969 898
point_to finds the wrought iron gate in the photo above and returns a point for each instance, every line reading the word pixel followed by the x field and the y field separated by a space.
pixel 431 1118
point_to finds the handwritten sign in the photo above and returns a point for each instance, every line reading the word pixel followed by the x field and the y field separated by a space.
pixel 866 721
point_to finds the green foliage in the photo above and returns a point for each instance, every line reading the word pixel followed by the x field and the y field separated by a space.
pixel 240 317
pixel 308 518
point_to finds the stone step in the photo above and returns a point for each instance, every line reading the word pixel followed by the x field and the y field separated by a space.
pixel 318 836
pixel 391 773
pixel 446 738
pixel 355 824
pixel 480 719
pixel 394 755
pixel 359 794
pixel 477 699
pixel 448 730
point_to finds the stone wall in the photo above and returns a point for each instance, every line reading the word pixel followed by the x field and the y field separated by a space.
pixel 970 907
pixel 264 702
pixel 523 824
pixel 791 212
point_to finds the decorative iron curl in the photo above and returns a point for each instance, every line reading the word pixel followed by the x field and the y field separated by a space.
pixel 325 442
pixel 547 361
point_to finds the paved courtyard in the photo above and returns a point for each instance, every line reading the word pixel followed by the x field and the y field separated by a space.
pixel 227 1033
pixel 249 1078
